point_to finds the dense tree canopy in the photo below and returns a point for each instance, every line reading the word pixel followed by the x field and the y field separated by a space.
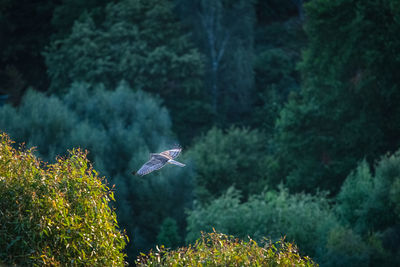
pixel 140 42
pixel 287 112
pixel 347 109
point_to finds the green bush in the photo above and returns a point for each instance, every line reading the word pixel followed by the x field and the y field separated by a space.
pixel 215 249
pixel 55 214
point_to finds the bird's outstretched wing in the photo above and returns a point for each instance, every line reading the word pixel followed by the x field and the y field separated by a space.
pixel 155 163
pixel 172 153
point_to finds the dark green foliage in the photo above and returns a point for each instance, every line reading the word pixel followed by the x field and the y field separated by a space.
pixel 215 249
pixel 275 79
pixel 129 46
pixel 235 157
pixel 304 218
pixel 69 11
pixel 151 199
pixel 274 10
pixel 55 214
pixel 394 195
pixel 149 54
pixel 367 202
pixel 24 32
pixel 142 43
pixel 345 248
pixel 354 196
pixel 279 40
pixel 274 66
pixel 168 235
pixel 347 107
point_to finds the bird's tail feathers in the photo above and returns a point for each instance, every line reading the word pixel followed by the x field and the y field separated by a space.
pixel 176 163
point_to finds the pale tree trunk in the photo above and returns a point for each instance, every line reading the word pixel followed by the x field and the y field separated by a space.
pixel 217 38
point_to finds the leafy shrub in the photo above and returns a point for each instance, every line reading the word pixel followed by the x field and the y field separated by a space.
pixel 215 249
pixel 56 214
pixel 303 218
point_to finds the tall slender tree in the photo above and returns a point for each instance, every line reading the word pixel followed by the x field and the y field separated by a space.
pixel 224 32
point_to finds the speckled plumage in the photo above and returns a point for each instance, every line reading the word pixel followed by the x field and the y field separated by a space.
pixel 159 160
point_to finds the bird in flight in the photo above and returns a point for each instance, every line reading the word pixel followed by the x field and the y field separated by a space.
pixel 159 160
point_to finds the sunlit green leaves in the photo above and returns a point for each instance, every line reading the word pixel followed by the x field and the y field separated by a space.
pixel 56 214
pixel 215 249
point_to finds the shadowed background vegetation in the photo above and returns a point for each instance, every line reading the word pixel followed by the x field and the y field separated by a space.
pixel 288 112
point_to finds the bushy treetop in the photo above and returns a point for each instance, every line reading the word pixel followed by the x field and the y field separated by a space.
pixel 56 214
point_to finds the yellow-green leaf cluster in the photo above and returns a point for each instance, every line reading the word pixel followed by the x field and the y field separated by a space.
pixel 216 249
pixel 56 214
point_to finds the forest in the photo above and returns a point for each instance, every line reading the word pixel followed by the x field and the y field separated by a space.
pixel 288 113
